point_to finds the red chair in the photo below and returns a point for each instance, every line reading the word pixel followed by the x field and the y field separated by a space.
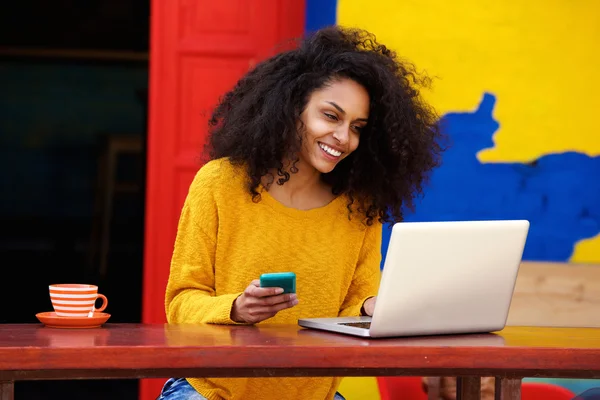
pixel 544 391
pixel 410 388
pixel 401 388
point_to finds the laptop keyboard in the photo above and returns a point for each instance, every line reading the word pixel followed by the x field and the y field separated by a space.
pixel 364 325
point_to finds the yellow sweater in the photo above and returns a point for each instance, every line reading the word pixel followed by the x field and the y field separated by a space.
pixel 225 240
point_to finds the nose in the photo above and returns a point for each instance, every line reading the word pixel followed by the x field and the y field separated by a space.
pixel 342 134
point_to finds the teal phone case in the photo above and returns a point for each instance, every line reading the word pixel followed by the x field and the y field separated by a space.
pixel 284 280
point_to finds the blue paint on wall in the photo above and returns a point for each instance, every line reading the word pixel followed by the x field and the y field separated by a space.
pixel 320 13
pixel 558 193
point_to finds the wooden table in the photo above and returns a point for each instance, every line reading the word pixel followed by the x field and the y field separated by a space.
pixel 31 352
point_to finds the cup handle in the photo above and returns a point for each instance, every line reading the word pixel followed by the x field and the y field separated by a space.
pixel 104 302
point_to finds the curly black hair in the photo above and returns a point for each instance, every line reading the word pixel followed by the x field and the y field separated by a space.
pixel 256 123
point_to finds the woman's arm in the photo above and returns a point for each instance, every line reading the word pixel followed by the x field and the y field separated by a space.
pixel 365 281
pixel 190 296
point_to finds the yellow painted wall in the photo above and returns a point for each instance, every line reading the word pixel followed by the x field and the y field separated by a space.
pixel 540 57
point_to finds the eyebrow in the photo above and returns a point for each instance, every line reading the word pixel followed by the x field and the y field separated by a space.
pixel 340 109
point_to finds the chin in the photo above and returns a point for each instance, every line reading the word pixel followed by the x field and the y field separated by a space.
pixel 325 167
pixel 325 170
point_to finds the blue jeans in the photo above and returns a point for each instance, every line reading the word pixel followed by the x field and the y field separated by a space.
pixel 180 389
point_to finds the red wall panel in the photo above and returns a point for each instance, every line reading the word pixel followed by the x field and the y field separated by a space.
pixel 199 49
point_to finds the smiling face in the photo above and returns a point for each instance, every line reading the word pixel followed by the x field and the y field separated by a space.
pixel 333 118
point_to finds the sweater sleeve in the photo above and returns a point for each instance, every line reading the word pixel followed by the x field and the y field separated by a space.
pixel 190 295
pixel 365 281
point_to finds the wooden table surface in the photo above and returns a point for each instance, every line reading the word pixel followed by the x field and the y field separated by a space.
pixel 32 351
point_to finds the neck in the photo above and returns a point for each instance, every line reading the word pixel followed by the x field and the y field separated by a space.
pixel 304 189
pixel 306 179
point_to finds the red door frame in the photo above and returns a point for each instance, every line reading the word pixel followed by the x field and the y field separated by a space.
pixel 198 49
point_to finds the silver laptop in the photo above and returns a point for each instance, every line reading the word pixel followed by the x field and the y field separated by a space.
pixel 441 278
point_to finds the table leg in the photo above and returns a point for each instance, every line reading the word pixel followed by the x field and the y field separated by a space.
pixel 7 390
pixel 468 388
pixel 508 388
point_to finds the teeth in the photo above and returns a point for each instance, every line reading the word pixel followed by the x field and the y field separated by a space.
pixel 329 150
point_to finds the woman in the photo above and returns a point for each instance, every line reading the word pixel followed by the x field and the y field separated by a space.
pixel 310 153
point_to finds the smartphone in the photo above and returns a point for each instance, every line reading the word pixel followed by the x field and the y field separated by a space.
pixel 284 280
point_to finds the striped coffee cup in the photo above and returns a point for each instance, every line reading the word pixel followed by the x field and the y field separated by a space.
pixel 76 300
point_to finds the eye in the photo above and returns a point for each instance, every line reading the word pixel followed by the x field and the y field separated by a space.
pixel 331 116
pixel 358 129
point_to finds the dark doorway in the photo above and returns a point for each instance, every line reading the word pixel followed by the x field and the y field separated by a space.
pixel 74 78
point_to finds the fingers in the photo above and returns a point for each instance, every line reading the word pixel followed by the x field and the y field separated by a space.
pixel 282 298
pixel 291 302
pixel 257 304
pixel 272 300
pixel 260 312
pixel 279 303
pixel 254 290
pixel 369 306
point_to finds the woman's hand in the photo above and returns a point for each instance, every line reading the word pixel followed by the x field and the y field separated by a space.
pixel 257 304
pixel 369 306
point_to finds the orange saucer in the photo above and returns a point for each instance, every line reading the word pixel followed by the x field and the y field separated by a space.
pixel 51 320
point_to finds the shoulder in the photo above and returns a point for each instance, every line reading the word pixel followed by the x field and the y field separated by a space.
pixel 218 174
pixel 218 171
pixel 373 234
pixel 357 219
pixel 218 178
